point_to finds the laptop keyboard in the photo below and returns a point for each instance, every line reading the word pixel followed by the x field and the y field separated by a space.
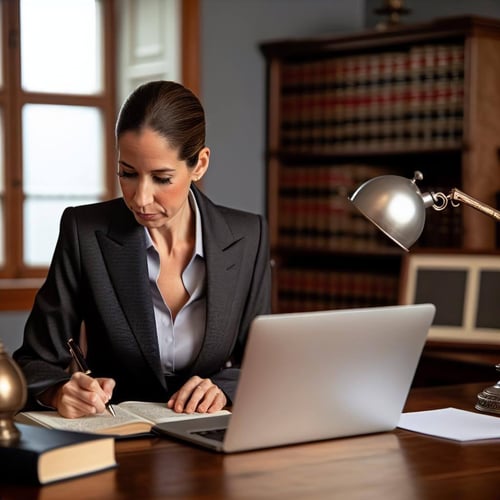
pixel 216 434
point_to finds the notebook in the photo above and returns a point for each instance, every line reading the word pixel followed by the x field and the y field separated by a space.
pixel 315 376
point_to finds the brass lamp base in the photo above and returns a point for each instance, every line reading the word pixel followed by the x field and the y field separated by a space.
pixel 13 395
pixel 489 399
pixel 9 433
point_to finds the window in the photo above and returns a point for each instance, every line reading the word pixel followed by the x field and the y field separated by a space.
pixel 57 113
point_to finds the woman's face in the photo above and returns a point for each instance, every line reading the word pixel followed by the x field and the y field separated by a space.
pixel 154 182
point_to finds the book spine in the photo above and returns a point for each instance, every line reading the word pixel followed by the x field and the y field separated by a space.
pixel 312 289
pixel 387 101
pixel 19 467
pixel 291 106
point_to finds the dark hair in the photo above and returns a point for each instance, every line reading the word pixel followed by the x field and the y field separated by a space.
pixel 169 109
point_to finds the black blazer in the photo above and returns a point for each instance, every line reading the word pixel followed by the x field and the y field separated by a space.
pixel 98 277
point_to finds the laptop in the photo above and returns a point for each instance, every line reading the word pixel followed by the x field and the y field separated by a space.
pixel 315 376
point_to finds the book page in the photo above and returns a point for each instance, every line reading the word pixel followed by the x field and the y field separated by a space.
pixel 89 423
pixel 158 412
pixel 132 417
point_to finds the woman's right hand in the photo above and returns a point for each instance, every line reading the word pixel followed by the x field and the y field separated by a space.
pixel 81 395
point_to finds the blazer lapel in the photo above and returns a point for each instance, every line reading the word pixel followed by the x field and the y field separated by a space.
pixel 223 257
pixel 124 251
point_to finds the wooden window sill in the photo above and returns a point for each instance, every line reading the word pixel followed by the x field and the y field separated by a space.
pixel 18 295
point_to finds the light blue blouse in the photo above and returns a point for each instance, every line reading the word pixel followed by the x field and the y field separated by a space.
pixel 180 340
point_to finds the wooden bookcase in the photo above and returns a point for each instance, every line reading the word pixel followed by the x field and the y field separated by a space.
pixel 343 109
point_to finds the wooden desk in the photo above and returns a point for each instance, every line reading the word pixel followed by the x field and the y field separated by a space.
pixel 395 465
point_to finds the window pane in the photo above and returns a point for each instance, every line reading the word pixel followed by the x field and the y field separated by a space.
pixel 41 227
pixel 61 46
pixel 63 164
pixel 63 150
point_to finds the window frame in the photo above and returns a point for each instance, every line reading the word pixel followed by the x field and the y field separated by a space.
pixel 17 294
pixel 18 282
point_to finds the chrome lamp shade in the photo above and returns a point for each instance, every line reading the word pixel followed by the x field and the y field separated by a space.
pixel 395 205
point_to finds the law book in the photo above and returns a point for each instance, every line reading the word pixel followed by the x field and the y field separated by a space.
pixel 43 456
pixel 132 418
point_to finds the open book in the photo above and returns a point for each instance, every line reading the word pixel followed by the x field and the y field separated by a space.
pixel 132 418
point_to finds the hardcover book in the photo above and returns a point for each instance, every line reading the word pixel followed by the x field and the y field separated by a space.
pixel 46 455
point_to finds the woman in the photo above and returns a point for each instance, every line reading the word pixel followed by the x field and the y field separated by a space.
pixel 163 283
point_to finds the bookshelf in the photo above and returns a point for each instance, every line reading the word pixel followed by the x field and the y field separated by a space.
pixel 343 109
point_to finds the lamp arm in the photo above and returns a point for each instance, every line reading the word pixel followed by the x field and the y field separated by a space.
pixel 460 197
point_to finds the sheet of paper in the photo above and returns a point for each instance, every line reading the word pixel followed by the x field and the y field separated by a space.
pixel 451 423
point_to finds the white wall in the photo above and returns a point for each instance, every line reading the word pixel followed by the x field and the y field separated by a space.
pixel 233 74
pixel 11 329
pixel 233 82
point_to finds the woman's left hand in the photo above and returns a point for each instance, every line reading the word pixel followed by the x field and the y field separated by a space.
pixel 197 395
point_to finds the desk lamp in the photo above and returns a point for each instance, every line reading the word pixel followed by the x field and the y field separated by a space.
pixel 397 207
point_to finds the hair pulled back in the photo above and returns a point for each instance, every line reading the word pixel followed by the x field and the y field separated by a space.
pixel 171 110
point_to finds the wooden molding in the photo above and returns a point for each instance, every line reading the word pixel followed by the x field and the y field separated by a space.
pixel 17 298
pixel 190 45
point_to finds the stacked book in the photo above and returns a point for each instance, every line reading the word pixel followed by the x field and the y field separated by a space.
pixel 410 98
pixel 316 290
pixel 314 211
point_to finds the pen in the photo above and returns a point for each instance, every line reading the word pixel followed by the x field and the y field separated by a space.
pixel 79 358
